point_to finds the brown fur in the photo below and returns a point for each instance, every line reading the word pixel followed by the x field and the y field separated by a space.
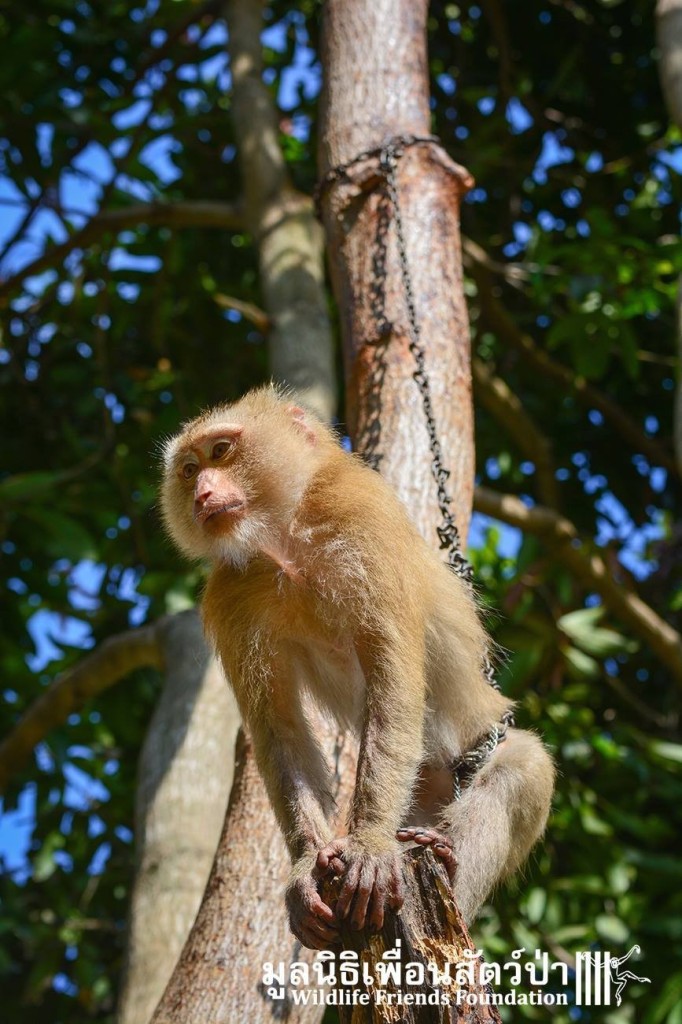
pixel 322 588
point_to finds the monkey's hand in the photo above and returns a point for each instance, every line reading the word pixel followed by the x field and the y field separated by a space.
pixel 310 919
pixel 371 881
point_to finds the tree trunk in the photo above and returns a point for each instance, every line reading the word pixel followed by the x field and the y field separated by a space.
pixel 283 225
pixel 242 923
pixel 376 90
pixel 184 780
pixel 669 38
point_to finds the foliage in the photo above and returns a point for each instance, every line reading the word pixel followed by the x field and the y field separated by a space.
pixel 558 114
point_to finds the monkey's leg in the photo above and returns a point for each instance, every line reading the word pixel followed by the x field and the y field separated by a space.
pixel 499 818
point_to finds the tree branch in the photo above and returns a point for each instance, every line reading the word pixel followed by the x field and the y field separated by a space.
pixel 114 658
pixel 505 407
pixel 669 38
pixel 496 18
pixel 282 222
pixel 254 314
pixel 501 323
pixel 513 273
pixel 189 214
pixel 677 409
pixel 184 778
pixel 590 569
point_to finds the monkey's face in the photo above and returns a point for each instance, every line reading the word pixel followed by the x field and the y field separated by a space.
pixel 205 496
pixel 233 478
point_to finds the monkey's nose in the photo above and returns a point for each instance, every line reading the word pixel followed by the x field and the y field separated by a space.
pixel 201 497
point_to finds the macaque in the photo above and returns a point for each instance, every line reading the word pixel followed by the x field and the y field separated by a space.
pixel 322 589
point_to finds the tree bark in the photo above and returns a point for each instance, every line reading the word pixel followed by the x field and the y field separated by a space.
pixel 242 923
pixel 669 38
pixel 376 88
pixel 184 780
pixel 283 224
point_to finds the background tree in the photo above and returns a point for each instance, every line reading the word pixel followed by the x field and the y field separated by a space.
pixel 119 173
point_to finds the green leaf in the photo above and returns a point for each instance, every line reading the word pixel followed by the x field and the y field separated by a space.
pixel 668 751
pixel 593 825
pixel 66 536
pixel 612 929
pixel 620 877
pixel 536 903
pixel 574 622
pixel 581 664
pixel 43 862
pixel 591 354
pixel 27 486
pixel 581 627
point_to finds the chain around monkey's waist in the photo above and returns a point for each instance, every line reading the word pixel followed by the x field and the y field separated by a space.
pixel 468 764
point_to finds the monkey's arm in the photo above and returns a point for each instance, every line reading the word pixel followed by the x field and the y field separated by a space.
pixel 392 737
pixel 390 754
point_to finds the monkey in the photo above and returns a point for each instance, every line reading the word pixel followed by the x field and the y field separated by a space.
pixel 322 589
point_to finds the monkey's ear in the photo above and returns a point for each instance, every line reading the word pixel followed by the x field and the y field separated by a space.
pixel 298 415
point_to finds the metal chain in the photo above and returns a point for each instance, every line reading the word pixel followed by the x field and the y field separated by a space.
pixel 468 764
pixel 448 534
pixel 465 767
pixel 339 173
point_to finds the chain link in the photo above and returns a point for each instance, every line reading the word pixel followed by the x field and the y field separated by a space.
pixel 448 534
pixel 468 764
pixel 464 767
pixel 339 174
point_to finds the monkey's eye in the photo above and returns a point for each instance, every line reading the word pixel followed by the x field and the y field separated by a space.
pixel 220 448
pixel 188 470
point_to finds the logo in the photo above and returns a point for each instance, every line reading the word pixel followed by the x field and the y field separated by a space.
pixel 598 975
pixel 596 978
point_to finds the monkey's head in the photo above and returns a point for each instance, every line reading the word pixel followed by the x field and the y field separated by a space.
pixel 234 476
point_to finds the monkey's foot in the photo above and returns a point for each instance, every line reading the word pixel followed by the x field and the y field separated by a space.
pixel 440 844
pixel 310 919
pixel 372 882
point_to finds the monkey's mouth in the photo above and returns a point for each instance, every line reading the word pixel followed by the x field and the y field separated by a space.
pixel 214 512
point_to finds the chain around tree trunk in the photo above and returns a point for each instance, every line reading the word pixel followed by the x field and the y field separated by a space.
pixel 466 765
pixel 448 534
